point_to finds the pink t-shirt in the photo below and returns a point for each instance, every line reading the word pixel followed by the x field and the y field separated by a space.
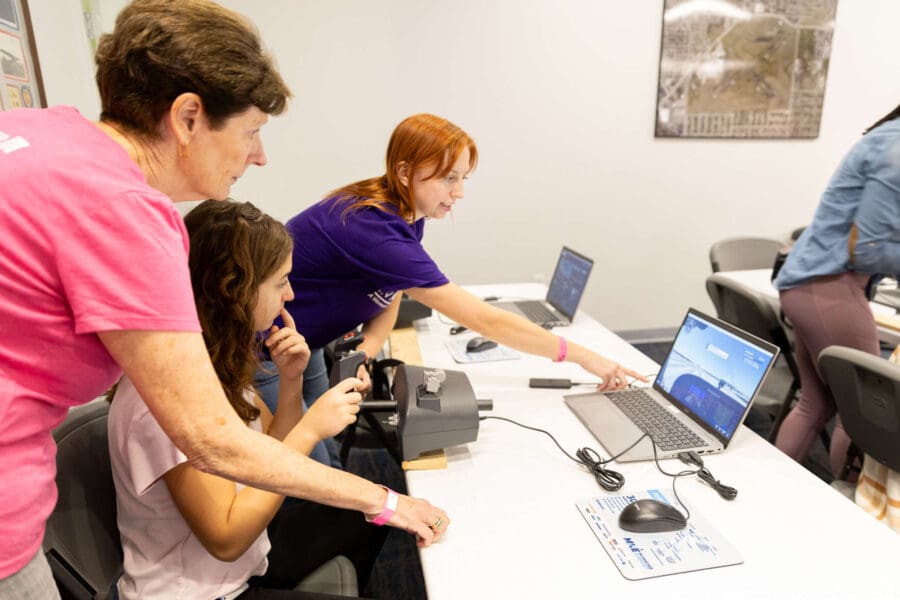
pixel 162 557
pixel 86 245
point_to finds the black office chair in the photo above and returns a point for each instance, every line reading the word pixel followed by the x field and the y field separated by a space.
pixel 749 310
pixel 737 254
pixel 866 391
pixel 82 537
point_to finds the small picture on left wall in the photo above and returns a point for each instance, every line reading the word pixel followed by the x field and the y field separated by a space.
pixel 9 17
pixel 21 85
pixel 12 57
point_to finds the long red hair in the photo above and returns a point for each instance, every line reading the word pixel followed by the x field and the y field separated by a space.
pixel 420 141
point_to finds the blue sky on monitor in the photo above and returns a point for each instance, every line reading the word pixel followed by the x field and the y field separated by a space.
pixel 716 351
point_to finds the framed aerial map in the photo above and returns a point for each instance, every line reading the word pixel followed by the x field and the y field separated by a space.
pixel 743 68
pixel 20 75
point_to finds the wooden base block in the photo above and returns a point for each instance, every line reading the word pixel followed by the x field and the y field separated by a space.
pixel 436 459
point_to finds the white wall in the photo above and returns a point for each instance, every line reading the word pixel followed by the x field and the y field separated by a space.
pixel 65 56
pixel 559 96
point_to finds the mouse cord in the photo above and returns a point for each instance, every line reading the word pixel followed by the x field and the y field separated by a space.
pixel 674 477
pixel 613 481
pixel 588 458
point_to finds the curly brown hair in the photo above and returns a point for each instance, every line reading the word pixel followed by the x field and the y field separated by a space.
pixel 160 49
pixel 234 248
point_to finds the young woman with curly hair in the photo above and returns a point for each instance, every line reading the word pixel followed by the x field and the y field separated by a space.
pixel 190 534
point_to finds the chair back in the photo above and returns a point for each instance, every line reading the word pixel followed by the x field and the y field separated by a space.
pixel 751 311
pixel 82 538
pixel 866 390
pixel 737 254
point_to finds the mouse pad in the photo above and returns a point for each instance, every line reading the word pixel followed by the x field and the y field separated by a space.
pixel 643 555
pixel 457 348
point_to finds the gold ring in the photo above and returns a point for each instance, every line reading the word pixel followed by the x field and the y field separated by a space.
pixel 437 523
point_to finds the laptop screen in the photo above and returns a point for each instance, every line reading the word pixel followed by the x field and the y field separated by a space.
pixel 713 371
pixel 569 280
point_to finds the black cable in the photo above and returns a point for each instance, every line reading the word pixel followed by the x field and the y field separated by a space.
pixel 726 491
pixel 587 457
pixel 564 384
pixel 613 480
pixel 692 458
pixel 674 477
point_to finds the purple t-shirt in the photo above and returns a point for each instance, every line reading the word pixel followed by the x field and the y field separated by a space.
pixel 347 268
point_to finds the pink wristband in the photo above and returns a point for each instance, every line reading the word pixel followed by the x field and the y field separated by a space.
pixel 563 350
pixel 390 506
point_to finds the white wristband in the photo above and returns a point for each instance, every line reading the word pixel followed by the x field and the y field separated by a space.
pixel 390 507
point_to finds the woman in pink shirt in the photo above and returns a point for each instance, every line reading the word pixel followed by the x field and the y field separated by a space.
pixel 94 278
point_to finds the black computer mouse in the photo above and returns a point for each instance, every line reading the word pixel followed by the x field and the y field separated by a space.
pixel 480 344
pixel 651 516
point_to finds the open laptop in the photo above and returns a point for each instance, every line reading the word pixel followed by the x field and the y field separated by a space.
pixel 887 292
pixel 701 395
pixel 565 291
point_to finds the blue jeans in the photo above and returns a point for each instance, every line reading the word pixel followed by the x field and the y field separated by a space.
pixel 315 383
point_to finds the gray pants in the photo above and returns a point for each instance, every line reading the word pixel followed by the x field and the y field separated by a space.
pixel 34 581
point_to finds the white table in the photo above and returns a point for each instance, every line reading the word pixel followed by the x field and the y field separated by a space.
pixel 517 534
pixel 760 280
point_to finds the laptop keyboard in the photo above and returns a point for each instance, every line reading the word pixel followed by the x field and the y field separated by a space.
pixel 669 432
pixel 537 312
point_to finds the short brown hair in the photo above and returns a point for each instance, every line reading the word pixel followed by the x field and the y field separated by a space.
pixel 160 49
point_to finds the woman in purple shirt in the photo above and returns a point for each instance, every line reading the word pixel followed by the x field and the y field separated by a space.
pixel 361 248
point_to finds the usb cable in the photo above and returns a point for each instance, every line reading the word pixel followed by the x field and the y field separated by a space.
pixel 692 458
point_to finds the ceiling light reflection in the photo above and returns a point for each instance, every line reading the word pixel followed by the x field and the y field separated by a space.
pixel 719 8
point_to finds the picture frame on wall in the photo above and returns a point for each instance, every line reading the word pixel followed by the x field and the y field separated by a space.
pixel 743 68
pixel 21 85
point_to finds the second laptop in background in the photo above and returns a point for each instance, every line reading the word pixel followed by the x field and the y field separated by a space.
pixel 565 292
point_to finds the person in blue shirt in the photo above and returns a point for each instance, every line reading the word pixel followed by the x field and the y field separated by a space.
pixel 853 238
